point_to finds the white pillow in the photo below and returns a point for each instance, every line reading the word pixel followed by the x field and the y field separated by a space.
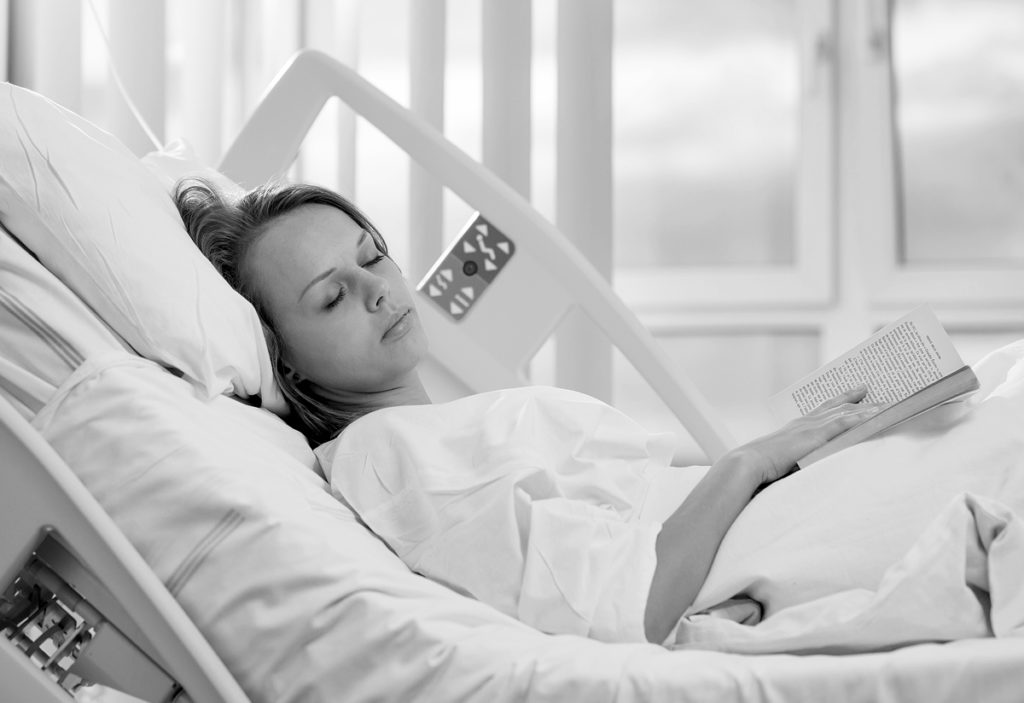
pixel 177 159
pixel 105 224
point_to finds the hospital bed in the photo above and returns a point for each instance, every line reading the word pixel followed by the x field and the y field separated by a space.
pixel 163 538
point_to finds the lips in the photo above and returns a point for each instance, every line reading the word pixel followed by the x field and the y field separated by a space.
pixel 398 325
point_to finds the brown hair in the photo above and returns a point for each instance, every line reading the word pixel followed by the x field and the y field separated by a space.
pixel 225 229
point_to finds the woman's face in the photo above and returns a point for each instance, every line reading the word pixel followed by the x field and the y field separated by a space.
pixel 344 313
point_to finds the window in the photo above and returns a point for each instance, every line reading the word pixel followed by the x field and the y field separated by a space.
pixel 707 126
pixel 959 72
pixel 723 116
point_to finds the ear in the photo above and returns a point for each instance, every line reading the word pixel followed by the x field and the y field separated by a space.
pixel 290 373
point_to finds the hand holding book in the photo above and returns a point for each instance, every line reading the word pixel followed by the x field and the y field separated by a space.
pixel 909 366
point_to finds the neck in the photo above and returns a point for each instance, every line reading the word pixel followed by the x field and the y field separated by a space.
pixel 408 391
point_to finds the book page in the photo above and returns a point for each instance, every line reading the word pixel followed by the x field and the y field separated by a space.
pixel 895 362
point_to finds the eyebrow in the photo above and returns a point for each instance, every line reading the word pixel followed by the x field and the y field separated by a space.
pixel 330 271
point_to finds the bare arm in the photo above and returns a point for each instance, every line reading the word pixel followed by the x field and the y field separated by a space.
pixel 690 537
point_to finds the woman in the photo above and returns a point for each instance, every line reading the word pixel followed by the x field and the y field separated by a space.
pixel 346 341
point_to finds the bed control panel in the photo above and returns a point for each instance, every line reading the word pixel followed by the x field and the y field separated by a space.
pixel 467 268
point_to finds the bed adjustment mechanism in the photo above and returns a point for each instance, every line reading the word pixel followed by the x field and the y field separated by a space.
pixel 68 638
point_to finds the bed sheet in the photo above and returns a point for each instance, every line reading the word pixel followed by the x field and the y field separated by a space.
pixel 47 330
pixel 304 604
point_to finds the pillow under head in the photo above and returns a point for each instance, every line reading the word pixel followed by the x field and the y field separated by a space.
pixel 106 225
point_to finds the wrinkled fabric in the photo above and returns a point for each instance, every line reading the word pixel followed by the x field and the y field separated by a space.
pixel 105 225
pixel 963 578
pixel 302 603
pixel 46 329
pixel 529 499
pixel 865 549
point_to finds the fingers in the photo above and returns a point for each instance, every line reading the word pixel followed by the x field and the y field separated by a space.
pixel 833 421
pixel 854 413
pixel 853 395
pixel 775 454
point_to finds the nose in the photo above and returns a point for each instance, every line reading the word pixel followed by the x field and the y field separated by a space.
pixel 375 291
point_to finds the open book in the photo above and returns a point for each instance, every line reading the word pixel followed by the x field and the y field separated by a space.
pixel 910 366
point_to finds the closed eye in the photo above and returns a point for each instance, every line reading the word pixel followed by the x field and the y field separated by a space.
pixel 333 302
pixel 375 260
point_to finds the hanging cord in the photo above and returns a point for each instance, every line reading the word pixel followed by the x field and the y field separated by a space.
pixel 117 80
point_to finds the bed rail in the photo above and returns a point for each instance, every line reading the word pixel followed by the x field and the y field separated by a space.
pixel 482 351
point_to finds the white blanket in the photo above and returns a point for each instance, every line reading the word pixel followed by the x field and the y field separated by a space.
pixel 863 552
pixel 866 549
pixel 303 604
pixel 963 578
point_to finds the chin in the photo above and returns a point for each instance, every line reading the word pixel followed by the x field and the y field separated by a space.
pixel 419 342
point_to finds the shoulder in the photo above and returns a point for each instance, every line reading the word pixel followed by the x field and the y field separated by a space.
pixel 442 422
